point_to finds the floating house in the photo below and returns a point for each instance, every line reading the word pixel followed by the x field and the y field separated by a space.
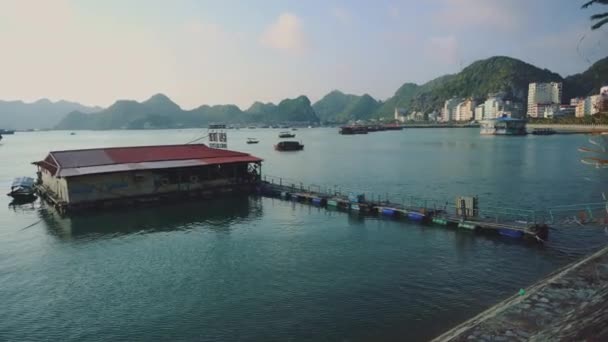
pixel 503 126
pixel 124 175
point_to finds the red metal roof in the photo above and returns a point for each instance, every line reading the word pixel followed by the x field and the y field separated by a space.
pixel 78 162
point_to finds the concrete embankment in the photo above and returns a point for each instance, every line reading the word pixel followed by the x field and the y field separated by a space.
pixel 571 128
pixel 571 304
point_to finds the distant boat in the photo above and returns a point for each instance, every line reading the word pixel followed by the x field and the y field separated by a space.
pixel 22 189
pixel 6 132
pixel 543 131
pixel 251 127
pixel 73 133
pixel 286 135
pixel 288 146
pixel 252 141
pixel 294 129
pixel 348 130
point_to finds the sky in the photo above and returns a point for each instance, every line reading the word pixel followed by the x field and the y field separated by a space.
pixel 217 52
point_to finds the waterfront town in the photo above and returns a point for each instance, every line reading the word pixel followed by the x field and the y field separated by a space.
pixel 545 101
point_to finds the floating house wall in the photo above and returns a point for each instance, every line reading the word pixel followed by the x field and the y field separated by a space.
pixel 98 187
pixel 57 185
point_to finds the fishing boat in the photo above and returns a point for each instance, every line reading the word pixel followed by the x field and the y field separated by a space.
pixel 22 189
pixel 252 141
pixel 543 131
pixel 286 134
pixel 288 146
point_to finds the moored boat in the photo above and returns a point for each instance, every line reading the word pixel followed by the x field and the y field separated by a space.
pixel 288 146
pixel 22 188
pixel 252 141
pixel 348 130
pixel 286 135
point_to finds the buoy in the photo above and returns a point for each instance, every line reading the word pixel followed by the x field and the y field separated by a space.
pixel 522 292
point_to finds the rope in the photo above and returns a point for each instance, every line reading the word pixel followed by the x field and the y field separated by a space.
pixel 31 225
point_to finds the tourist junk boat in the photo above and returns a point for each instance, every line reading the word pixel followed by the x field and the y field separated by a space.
pixel 286 135
pixel 288 146
pixel 543 131
pixel 22 189
pixel 252 141
pixel 504 126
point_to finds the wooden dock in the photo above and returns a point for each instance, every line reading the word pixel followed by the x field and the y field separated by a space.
pixel 482 221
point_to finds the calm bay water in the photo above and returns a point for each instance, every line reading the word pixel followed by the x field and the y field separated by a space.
pixel 263 269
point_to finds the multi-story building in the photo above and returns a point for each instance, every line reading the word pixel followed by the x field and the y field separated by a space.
pixel 575 101
pixel 449 108
pixel 543 94
pixel 592 105
pixel 596 104
pixel 479 112
pixel 492 106
pixel 400 114
pixel 464 110
pixel 579 111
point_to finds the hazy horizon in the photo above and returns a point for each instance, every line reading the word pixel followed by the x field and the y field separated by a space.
pixel 236 53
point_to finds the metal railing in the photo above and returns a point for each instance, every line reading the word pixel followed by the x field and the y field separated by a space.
pixel 585 213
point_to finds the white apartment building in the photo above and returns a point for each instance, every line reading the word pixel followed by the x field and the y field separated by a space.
pixel 492 106
pixel 400 114
pixel 543 94
pixel 464 110
pixel 479 112
pixel 449 108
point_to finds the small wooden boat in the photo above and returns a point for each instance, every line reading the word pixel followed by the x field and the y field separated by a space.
pixel 22 188
pixel 286 135
pixel 252 141
pixel 288 146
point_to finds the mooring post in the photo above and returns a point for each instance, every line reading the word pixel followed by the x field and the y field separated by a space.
pixel 280 181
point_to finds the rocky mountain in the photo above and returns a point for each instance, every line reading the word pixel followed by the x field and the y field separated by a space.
pixel 477 80
pixel 339 107
pixel 41 114
pixel 160 112
pixel 588 82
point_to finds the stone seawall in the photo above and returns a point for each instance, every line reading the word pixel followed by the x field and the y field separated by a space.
pixel 571 304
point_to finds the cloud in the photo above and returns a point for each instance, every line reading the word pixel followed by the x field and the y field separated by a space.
pixel 342 15
pixel 496 14
pixel 285 34
pixel 443 49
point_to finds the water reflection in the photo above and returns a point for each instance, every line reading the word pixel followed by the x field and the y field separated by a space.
pixel 218 215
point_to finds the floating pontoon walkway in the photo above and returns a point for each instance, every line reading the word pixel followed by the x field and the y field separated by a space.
pixel 506 222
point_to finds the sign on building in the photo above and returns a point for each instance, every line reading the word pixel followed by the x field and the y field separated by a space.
pixel 218 138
